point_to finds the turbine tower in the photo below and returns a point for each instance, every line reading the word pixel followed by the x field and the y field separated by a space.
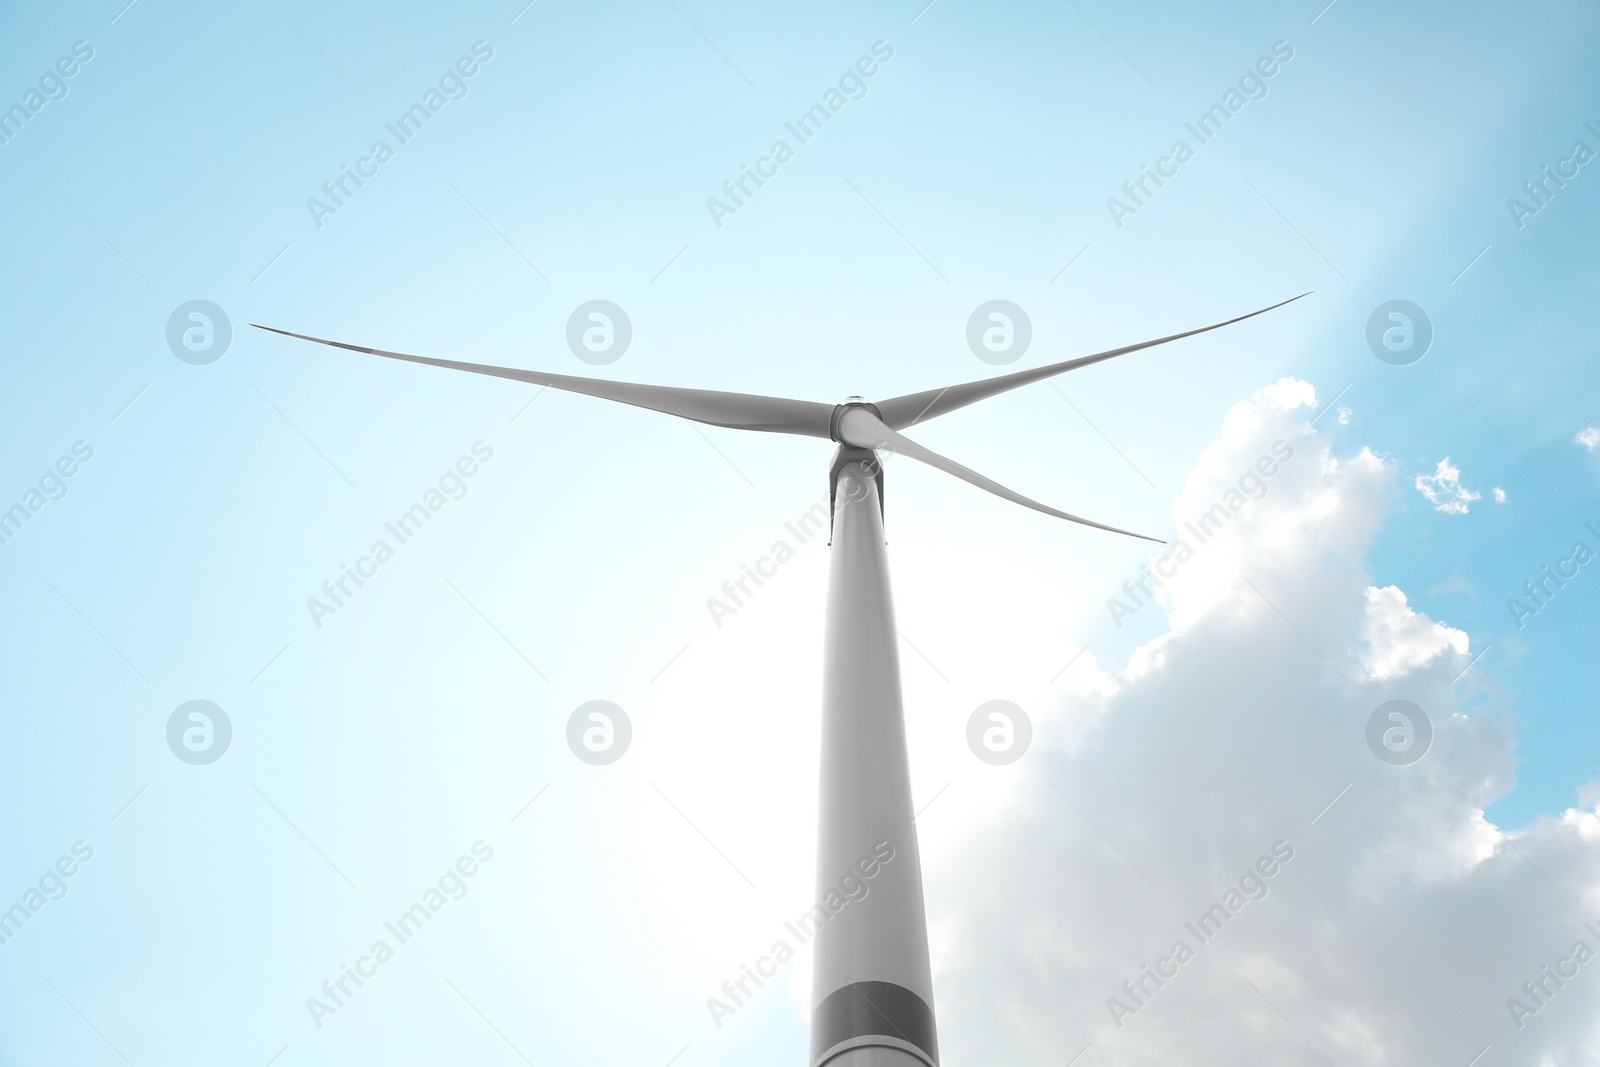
pixel 872 988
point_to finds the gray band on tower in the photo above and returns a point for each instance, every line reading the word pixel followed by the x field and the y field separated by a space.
pixel 854 1015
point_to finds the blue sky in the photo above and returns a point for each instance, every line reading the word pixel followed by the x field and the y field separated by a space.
pixel 371 751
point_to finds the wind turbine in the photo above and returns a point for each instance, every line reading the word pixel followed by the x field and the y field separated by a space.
pixel 872 988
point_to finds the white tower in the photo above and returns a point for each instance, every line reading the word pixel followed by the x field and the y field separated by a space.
pixel 871 987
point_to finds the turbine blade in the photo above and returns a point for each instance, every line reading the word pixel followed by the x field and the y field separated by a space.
pixel 861 428
pixel 738 411
pixel 913 408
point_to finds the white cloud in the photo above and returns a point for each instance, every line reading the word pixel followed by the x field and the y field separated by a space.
pixel 1588 437
pixel 1405 919
pixel 1444 490
pixel 1289 512
pixel 1397 640
pixel 1499 495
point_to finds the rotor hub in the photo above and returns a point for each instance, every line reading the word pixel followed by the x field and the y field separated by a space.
pixel 840 409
